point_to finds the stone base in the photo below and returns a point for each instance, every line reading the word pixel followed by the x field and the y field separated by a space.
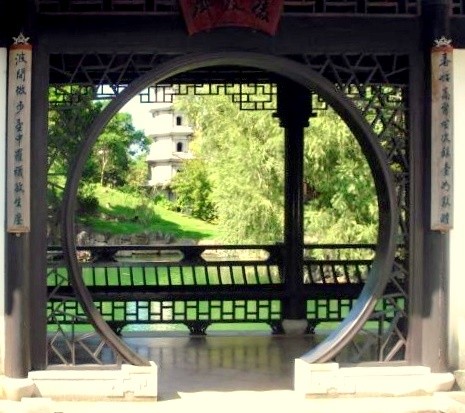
pixel 16 389
pixel 36 405
pixel 295 327
pixel 329 380
pixel 460 379
pixel 128 382
pixel 450 402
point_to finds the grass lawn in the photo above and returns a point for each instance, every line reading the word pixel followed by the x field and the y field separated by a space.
pixel 123 213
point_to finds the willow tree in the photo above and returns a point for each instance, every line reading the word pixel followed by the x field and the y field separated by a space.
pixel 243 155
pixel 342 207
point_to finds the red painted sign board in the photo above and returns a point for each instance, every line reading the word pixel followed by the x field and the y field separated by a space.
pixel 201 15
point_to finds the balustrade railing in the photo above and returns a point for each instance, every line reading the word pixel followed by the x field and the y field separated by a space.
pixel 200 285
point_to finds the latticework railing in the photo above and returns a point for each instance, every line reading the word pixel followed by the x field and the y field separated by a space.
pixel 196 287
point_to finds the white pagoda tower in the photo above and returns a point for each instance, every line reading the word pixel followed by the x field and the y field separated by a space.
pixel 170 137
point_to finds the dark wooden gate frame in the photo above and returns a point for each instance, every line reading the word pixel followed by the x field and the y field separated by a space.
pixel 26 298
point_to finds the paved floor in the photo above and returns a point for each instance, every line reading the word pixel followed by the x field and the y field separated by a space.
pixel 222 362
pixel 237 402
pixel 223 373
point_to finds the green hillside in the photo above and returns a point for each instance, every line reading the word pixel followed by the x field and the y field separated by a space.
pixel 123 213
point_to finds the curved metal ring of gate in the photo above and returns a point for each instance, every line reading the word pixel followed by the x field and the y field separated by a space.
pixel 387 205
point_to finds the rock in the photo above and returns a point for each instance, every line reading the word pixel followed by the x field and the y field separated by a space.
pixel 186 241
pixel 100 239
pixel 82 238
pixel 140 239
pixel 114 240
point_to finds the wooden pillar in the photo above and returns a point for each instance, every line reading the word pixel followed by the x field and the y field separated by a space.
pixel 3 93
pixel 38 234
pixel 17 322
pixel 435 20
pixel 18 318
pixel 294 110
pixel 456 302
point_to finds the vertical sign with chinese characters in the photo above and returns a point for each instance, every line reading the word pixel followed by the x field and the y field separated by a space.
pixel 18 135
pixel 441 136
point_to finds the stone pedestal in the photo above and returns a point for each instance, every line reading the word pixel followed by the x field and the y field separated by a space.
pixel 16 389
pixel 330 380
pixel 295 327
pixel 126 383
pixel 456 339
pixel 3 71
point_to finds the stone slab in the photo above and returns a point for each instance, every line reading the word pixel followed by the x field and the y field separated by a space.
pixel 450 402
pixel 16 389
pixel 276 401
pixel 124 383
pixel 313 380
pixel 36 405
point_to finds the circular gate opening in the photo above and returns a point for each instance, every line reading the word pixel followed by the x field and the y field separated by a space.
pixel 301 75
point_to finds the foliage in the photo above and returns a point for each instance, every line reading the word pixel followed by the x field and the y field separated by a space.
pixel 193 190
pixel 344 209
pixel 88 203
pixel 112 153
pixel 115 148
pixel 67 125
pixel 136 178
pixel 160 198
pixel 243 153
pixel 111 161
pixel 236 178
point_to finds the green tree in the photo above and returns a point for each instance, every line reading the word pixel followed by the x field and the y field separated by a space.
pixel 67 125
pixel 243 155
pixel 242 152
pixel 113 152
pixel 193 190
pixel 115 149
pixel 138 173
pixel 343 207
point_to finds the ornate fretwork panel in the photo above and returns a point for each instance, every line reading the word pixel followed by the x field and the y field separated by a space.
pixel 251 96
pixel 103 75
pixel 378 86
pixel 108 6
pixel 71 342
pixel 458 7
pixel 352 7
pixel 360 70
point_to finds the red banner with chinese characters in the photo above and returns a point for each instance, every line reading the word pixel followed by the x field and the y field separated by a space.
pixel 260 15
